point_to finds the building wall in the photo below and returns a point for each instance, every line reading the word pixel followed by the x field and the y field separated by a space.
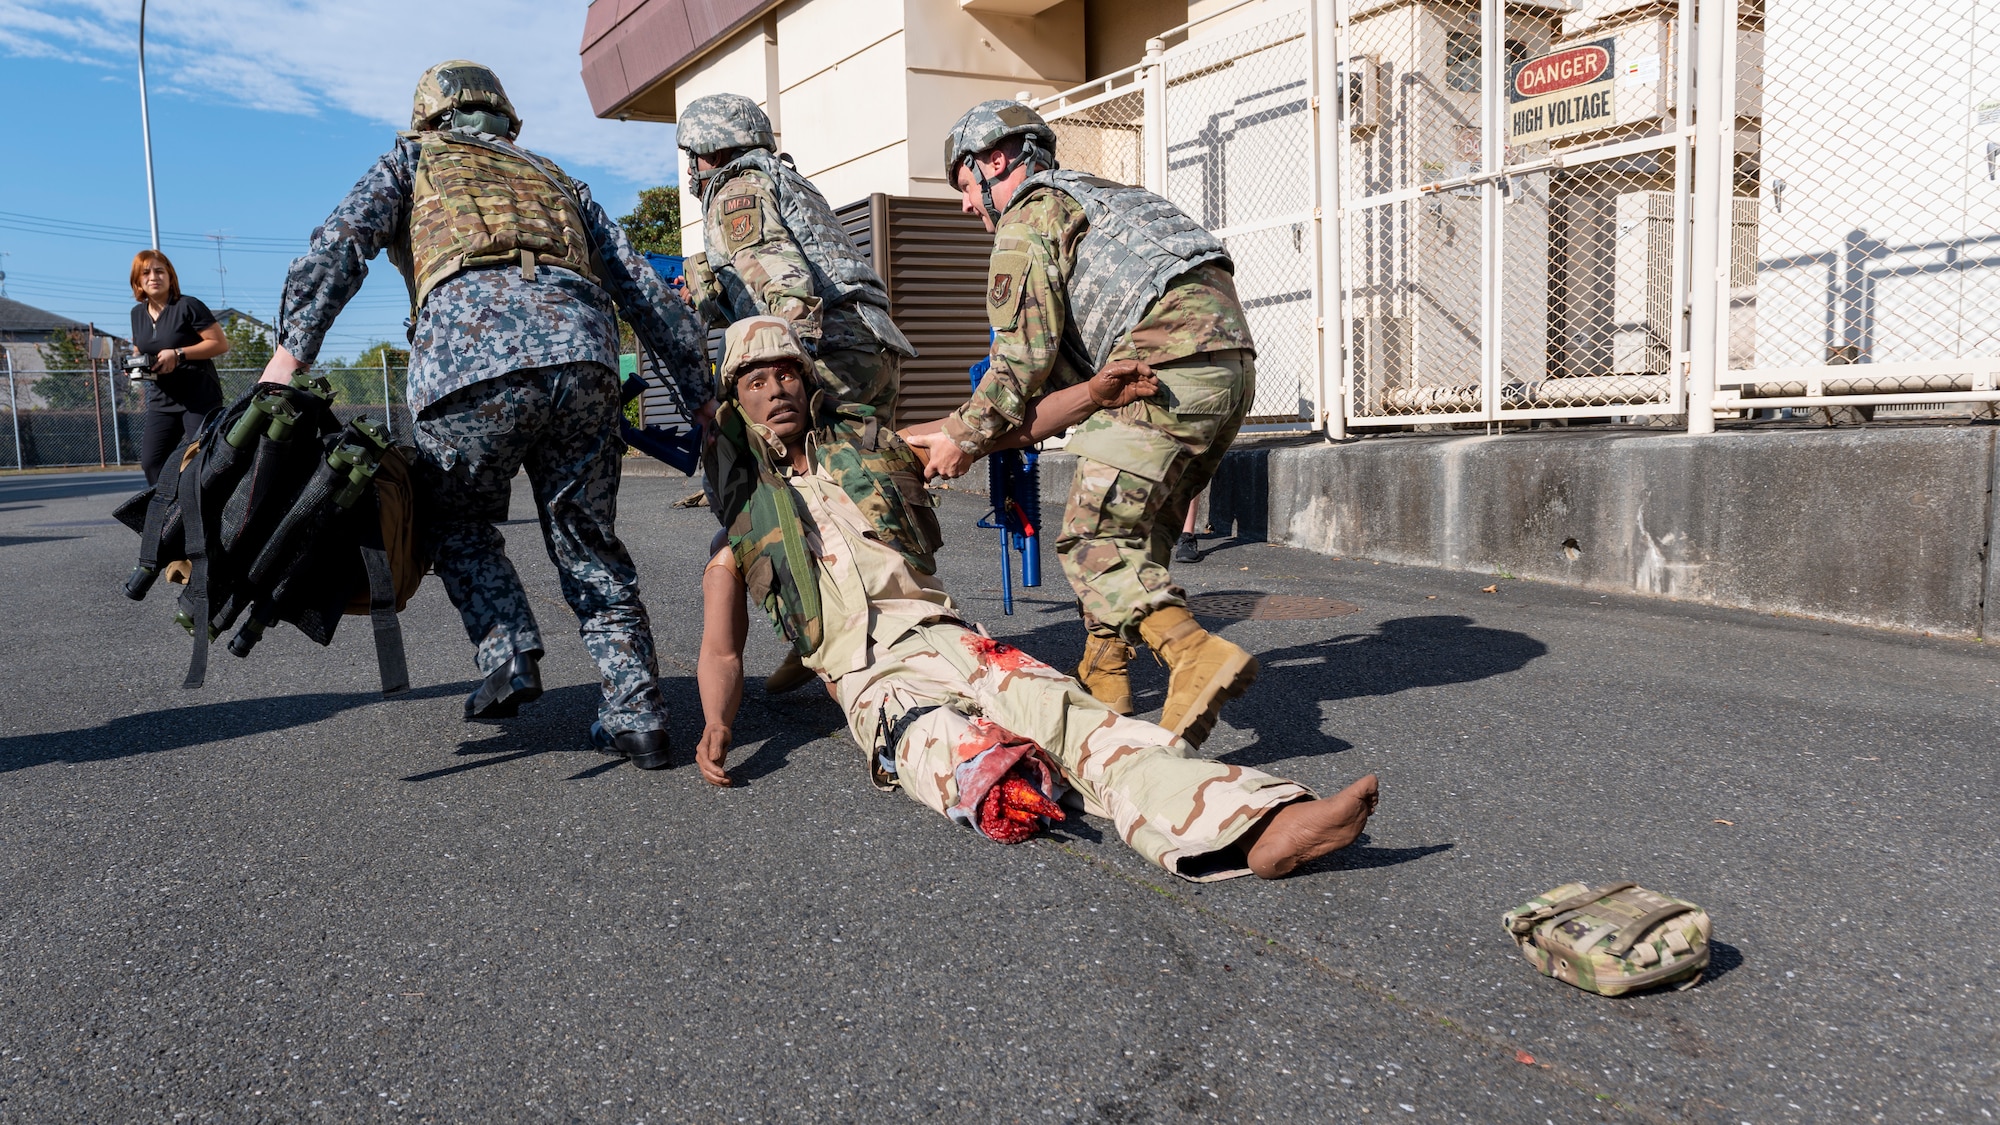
pixel 958 59
pixel 841 70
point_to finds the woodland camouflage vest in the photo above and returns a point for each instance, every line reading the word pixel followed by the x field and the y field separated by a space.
pixel 1137 243
pixel 841 272
pixel 479 202
pixel 767 519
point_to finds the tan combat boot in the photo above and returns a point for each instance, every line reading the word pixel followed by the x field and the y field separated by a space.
pixel 1104 671
pixel 1205 671
pixel 790 676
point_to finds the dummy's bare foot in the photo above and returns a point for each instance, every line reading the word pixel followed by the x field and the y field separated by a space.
pixel 1307 830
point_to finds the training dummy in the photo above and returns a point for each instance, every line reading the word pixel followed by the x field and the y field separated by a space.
pixel 828 527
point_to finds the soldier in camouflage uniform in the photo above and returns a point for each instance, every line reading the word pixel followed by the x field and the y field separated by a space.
pixel 513 273
pixel 1085 273
pixel 772 246
pixel 832 536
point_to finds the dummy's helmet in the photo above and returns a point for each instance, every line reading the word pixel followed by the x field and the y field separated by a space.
pixel 462 94
pixel 757 340
pixel 987 124
pixel 723 121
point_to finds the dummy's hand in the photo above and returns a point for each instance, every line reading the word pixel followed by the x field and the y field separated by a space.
pixel 711 753
pixel 941 456
pixel 282 368
pixel 704 415
pixel 1121 383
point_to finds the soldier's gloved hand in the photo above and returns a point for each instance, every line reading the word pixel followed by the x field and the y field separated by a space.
pixel 1014 808
pixel 1122 382
pixel 712 752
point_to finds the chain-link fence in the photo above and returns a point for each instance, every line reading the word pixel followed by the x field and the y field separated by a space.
pixel 1504 213
pixel 1869 189
pixel 96 417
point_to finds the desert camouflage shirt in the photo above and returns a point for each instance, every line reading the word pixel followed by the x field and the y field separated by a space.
pixel 1027 301
pixel 484 323
pixel 741 222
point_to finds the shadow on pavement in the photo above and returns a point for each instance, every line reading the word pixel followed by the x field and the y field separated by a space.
pixel 177 728
pixel 69 486
pixel 1399 654
pixel 557 723
pixel 782 724
pixel 1402 653
pixel 1358 856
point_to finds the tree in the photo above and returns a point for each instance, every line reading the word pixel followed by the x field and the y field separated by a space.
pixel 249 345
pixel 360 382
pixel 654 226
pixel 68 352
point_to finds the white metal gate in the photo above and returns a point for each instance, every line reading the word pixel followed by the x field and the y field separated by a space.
pixel 1505 214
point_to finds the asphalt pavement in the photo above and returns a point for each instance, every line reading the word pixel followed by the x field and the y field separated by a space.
pixel 282 898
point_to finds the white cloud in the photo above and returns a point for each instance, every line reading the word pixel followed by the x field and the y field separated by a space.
pixel 361 56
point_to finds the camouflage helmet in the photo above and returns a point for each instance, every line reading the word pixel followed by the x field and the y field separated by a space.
pixel 723 121
pixel 757 340
pixel 985 125
pixel 460 84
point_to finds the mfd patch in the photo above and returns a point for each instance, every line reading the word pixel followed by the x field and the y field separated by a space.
pixel 739 203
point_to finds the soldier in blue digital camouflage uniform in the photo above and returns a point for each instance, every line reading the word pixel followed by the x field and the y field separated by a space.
pixel 513 273
pixel 771 246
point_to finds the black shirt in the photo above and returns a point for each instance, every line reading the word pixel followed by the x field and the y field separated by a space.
pixel 192 385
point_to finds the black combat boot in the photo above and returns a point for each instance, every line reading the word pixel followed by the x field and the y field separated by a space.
pixel 506 688
pixel 648 749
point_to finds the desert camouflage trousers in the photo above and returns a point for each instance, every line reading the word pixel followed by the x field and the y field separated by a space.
pixel 561 424
pixel 1181 812
pixel 865 377
pixel 1137 470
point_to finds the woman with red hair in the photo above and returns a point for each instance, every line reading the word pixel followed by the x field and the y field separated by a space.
pixel 183 339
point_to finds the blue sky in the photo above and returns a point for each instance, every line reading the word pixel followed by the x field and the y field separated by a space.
pixel 264 113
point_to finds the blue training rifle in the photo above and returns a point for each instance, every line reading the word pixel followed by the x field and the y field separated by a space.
pixel 1014 481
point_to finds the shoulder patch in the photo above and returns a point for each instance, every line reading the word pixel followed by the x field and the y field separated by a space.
pixel 1004 278
pixel 743 228
pixel 739 203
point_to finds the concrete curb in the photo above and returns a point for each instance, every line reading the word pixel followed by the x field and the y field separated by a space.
pixel 1877 526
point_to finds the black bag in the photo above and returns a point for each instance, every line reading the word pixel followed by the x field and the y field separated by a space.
pixel 273 505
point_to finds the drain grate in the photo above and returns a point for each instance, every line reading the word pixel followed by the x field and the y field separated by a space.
pixel 1245 606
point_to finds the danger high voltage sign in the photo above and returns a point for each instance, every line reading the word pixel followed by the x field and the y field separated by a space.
pixel 1564 92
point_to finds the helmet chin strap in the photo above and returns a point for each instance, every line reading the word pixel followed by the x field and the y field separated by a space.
pixel 1030 151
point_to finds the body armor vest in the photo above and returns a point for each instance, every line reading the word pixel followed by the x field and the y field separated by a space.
pixel 1137 244
pixel 478 202
pixel 841 272
pixel 767 519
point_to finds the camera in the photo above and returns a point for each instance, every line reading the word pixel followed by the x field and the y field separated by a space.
pixel 139 368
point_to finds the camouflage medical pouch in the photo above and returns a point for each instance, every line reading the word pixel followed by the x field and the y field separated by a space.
pixel 1612 940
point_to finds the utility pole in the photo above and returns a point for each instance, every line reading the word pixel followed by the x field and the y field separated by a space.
pixel 221 284
pixel 388 401
pixel 146 130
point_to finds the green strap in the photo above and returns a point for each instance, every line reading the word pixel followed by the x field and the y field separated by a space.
pixel 1630 933
pixel 797 559
pixel 1522 923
